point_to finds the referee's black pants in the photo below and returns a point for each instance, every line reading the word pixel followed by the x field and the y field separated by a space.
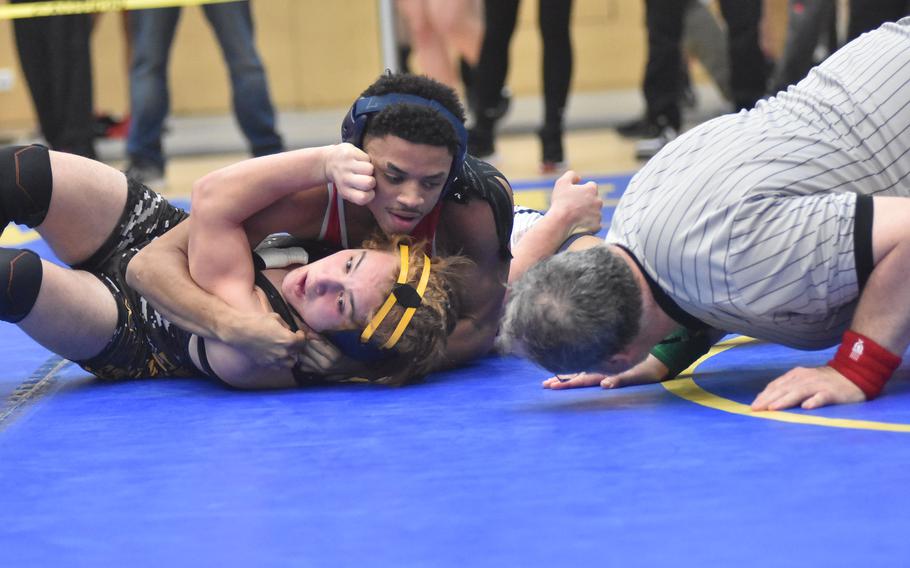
pixel 748 71
pixel 492 68
pixel 55 56
pixel 867 15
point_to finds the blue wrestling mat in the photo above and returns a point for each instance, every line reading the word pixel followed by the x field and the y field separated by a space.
pixel 473 467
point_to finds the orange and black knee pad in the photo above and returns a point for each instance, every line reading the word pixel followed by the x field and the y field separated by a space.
pixel 20 281
pixel 25 185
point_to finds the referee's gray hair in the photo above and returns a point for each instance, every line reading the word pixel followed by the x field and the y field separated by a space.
pixel 572 311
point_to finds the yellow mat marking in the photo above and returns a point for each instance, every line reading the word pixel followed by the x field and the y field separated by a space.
pixel 14 236
pixel 687 389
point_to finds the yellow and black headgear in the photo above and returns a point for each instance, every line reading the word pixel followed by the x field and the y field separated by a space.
pixel 358 345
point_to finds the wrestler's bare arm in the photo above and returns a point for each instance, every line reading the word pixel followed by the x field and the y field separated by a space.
pixel 574 208
pixel 241 190
pixel 160 272
pixel 270 194
pixel 221 263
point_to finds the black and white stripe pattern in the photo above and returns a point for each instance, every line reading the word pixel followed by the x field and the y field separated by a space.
pixel 523 219
pixel 746 221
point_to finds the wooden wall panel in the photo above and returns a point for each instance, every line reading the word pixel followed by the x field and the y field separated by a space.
pixel 321 54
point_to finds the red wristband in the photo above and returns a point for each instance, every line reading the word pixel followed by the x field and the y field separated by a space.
pixel 867 364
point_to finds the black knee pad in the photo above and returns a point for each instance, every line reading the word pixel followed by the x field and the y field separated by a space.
pixel 25 184
pixel 20 282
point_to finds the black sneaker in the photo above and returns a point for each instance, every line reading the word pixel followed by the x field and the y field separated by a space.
pixel 552 160
pixel 147 174
pixel 492 113
pixel 642 127
pixel 480 143
pixel 502 106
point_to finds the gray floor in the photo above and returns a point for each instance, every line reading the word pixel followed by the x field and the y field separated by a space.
pixel 219 134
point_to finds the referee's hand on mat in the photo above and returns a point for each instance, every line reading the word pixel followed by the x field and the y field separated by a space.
pixel 808 387
pixel 651 370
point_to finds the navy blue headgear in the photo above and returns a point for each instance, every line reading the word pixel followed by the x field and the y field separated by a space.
pixel 355 122
pixel 349 343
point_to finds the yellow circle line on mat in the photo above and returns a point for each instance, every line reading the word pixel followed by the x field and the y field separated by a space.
pixel 14 236
pixel 69 7
pixel 687 389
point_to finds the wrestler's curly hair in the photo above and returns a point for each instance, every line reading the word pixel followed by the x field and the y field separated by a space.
pixel 422 346
pixel 412 122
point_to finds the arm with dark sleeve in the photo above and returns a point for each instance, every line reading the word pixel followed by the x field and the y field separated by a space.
pixel 471 227
pixel 476 222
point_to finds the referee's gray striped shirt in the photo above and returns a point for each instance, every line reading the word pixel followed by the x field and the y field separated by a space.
pixel 746 221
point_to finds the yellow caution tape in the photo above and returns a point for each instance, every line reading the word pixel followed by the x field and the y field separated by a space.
pixel 69 7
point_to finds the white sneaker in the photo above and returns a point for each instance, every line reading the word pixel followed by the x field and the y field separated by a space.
pixel 646 148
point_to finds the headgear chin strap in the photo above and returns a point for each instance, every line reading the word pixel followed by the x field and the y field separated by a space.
pixel 355 123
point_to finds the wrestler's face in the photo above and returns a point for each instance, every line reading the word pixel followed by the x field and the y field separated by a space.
pixel 409 181
pixel 340 291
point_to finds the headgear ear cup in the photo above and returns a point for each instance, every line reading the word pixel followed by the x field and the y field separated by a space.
pixel 355 122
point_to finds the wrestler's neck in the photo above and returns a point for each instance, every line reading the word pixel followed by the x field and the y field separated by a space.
pixel 361 224
pixel 655 324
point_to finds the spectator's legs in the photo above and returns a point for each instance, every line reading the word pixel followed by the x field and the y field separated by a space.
pixel 33 55
pixel 429 46
pixel 153 33
pixel 554 20
pixel 706 40
pixel 56 62
pixel 807 21
pixel 490 75
pixel 233 25
pixel 662 72
pixel 867 15
pixel 71 63
pixel 748 66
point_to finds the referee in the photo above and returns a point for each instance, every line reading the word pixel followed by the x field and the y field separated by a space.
pixel 787 223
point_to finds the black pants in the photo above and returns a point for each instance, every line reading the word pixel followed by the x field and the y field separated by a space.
pixel 867 15
pixel 748 73
pixel 554 16
pixel 55 56
pixel 808 21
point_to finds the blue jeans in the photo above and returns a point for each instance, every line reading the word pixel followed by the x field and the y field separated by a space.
pixel 153 33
